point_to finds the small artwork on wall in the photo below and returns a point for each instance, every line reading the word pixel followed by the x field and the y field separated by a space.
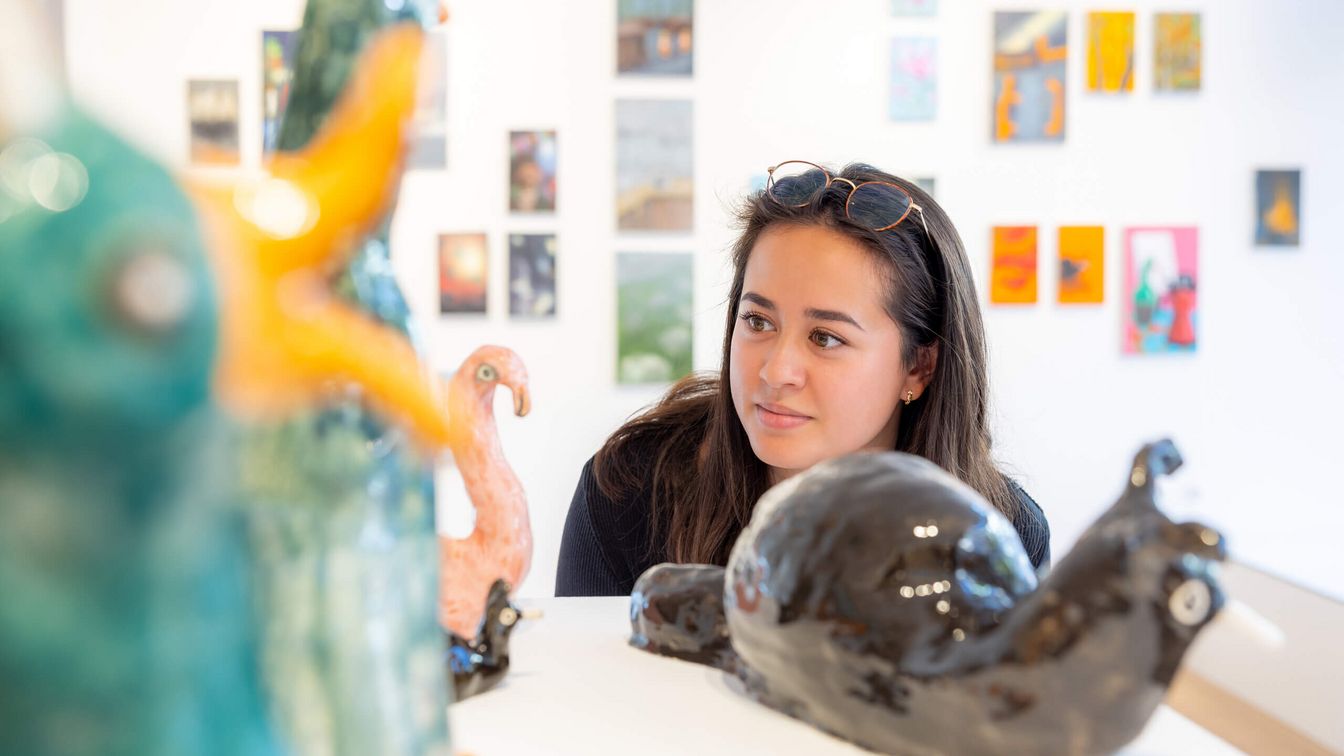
pixel 429 149
pixel 914 79
pixel 1030 51
pixel 212 113
pixel 1278 208
pixel 1082 264
pixel 1177 52
pixel 54 10
pixel 277 76
pixel 1012 276
pixel 653 165
pixel 1161 281
pixel 654 37
pixel 928 183
pixel 1110 52
pixel 463 273
pixel 914 7
pixel 532 275
pixel 654 317
pixel 531 171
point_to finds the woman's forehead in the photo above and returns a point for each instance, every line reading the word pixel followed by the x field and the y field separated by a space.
pixel 814 267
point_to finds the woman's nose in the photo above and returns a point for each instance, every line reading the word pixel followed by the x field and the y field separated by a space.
pixel 784 366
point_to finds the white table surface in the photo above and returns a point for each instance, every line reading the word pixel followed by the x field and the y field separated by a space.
pixel 577 687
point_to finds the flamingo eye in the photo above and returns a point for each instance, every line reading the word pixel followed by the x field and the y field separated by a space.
pixel 486 373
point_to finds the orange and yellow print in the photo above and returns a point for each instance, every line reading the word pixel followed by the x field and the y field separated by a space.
pixel 1012 276
pixel 1030 52
pixel 1110 52
pixel 1177 52
pixel 1082 269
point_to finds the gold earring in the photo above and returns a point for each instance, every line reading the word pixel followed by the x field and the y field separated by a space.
pixel 909 397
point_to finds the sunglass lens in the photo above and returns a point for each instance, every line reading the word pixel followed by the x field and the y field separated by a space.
pixel 795 184
pixel 878 205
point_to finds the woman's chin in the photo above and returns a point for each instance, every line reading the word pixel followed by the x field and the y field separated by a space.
pixel 786 460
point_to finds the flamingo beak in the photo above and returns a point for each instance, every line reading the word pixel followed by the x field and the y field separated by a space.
pixel 522 403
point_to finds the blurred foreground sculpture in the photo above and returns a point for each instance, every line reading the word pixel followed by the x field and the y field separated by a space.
pixel 126 620
pixel 338 441
pixel 881 600
pixel 138 537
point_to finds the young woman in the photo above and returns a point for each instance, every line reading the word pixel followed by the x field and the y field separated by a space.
pixel 853 324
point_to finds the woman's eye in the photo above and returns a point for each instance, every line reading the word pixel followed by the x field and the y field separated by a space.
pixel 755 322
pixel 826 340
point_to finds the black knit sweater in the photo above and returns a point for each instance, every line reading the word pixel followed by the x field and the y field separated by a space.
pixel 605 546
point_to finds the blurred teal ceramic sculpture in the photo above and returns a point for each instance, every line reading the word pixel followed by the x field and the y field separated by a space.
pixel 125 623
pixel 342 507
pixel 127 549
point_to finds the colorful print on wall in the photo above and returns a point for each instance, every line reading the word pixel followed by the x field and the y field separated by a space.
pixel 464 264
pixel 1012 278
pixel 277 74
pixel 1030 51
pixel 1278 207
pixel 914 79
pixel 532 275
pixel 914 7
pixel 532 171
pixel 429 149
pixel 654 37
pixel 1082 264
pixel 212 113
pixel 653 165
pixel 1177 52
pixel 1161 281
pixel 1110 52
pixel 653 303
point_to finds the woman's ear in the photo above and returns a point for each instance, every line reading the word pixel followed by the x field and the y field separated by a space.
pixel 921 373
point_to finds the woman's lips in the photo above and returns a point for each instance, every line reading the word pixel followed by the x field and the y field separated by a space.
pixel 779 418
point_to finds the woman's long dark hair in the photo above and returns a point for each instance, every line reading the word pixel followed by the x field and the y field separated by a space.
pixel 692 447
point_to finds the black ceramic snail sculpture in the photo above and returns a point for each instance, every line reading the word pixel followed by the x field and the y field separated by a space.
pixel 882 600
pixel 477 665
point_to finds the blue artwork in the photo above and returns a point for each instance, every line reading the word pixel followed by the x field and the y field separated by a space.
pixel 914 7
pixel 914 79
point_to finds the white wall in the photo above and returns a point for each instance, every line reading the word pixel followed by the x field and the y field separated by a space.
pixel 1257 411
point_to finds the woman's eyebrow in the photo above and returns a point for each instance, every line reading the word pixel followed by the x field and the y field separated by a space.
pixel 834 315
pixel 811 312
pixel 759 300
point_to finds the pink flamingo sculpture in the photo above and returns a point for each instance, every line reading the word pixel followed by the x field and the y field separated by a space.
pixel 501 544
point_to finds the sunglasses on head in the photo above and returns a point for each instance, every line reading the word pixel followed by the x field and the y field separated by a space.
pixel 876 205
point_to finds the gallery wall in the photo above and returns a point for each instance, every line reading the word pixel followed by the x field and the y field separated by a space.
pixel 1256 407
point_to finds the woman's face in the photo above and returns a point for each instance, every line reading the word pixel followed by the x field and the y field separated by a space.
pixel 815 361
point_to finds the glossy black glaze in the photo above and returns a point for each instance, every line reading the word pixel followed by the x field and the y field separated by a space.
pixel 677 610
pixel 478 665
pixel 882 600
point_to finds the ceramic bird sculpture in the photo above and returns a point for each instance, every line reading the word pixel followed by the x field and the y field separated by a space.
pixel 126 621
pixel 880 599
pixel 136 543
pixel 500 545
pixel 339 491
pixel 126 625
pixel 479 664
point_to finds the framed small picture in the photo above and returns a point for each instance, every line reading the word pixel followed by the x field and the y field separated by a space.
pixel 464 265
pixel 655 37
pixel 212 112
pixel 532 275
pixel 1278 208
pixel 531 171
pixel 654 316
